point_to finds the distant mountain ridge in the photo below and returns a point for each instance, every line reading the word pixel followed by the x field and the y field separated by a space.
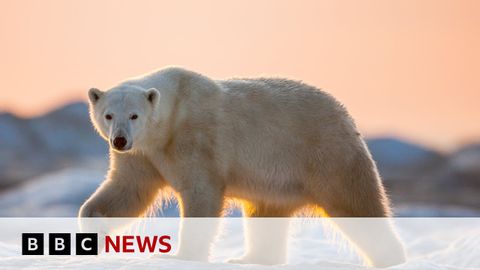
pixel 32 146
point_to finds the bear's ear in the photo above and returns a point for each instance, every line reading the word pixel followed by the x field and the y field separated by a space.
pixel 94 95
pixel 152 95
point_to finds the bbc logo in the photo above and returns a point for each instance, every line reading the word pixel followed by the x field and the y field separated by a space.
pixel 59 244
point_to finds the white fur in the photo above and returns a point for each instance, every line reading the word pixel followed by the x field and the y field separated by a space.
pixel 276 144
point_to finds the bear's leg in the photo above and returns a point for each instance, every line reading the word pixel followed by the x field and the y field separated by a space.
pixel 200 207
pixel 374 238
pixel 371 232
pixel 266 234
pixel 131 187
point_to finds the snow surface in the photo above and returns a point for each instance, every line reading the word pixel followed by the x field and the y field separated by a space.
pixel 57 194
pixel 431 244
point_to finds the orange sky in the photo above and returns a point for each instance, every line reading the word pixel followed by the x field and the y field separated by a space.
pixel 408 68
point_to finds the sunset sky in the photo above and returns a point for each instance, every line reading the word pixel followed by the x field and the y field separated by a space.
pixel 405 68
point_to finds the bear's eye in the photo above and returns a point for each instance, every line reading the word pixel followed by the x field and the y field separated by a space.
pixel 134 116
pixel 108 117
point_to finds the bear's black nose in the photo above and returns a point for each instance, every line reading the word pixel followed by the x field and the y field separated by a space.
pixel 119 142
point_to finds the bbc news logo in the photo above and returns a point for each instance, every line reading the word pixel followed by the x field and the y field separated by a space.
pixel 59 244
pixel 87 244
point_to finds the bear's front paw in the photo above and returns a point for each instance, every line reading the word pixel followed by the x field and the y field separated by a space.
pixel 87 224
pixel 87 211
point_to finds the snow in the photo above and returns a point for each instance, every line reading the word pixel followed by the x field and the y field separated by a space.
pixel 431 243
pixel 55 194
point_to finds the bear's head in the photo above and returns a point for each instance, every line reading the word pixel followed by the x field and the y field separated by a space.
pixel 122 114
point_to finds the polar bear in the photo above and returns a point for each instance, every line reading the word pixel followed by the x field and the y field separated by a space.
pixel 276 144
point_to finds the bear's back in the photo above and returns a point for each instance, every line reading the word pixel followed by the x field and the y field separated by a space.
pixel 279 97
pixel 283 113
